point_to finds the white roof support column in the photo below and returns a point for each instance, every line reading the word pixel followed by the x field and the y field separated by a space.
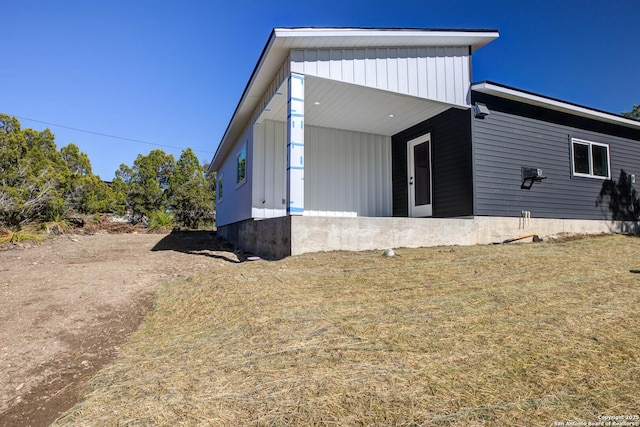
pixel 295 145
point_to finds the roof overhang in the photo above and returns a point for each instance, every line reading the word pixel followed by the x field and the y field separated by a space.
pixel 339 105
pixel 282 40
pixel 513 94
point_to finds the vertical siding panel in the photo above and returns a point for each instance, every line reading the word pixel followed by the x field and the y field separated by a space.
pixel 355 174
pixel 370 64
pixel 467 78
pixel 311 62
pixel 317 196
pixel 432 72
pixel 270 197
pixel 381 69
pixel 449 75
pixel 258 170
pixel 403 81
pixel 460 95
pixel 311 163
pixel 280 184
pixel 269 159
pixel 348 62
pixel 388 185
pixel 335 65
pixel 441 75
pixel 297 61
pixel 423 89
pixel 360 190
pixel 339 207
pixel 412 69
pixel 329 170
pixel 375 178
pixel 343 202
pixel 392 70
pixel 323 64
pixel 377 162
pixel 359 67
pixel 350 175
pixel 368 178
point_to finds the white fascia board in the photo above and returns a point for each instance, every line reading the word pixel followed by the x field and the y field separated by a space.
pixel 383 37
pixel 553 104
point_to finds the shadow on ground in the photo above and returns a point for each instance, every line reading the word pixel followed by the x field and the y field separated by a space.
pixel 200 242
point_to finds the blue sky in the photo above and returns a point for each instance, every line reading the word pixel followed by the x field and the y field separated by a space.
pixel 171 73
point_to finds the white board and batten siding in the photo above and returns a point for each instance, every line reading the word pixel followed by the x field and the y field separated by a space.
pixel 437 73
pixel 347 174
pixel 270 166
pixel 236 201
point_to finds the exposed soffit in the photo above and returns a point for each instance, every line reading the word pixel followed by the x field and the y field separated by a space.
pixel 339 105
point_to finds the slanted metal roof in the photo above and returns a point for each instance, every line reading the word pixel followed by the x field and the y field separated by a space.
pixel 282 40
pixel 507 92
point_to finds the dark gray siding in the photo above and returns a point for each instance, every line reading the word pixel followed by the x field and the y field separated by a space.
pixel 452 173
pixel 514 135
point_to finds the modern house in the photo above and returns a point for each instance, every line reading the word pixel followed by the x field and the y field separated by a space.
pixel 376 138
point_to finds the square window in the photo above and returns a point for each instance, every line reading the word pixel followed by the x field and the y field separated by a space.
pixel 590 159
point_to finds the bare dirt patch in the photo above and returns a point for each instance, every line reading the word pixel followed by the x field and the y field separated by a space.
pixel 66 305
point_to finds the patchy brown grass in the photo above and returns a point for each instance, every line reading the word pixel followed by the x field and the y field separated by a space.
pixel 21 235
pixel 525 334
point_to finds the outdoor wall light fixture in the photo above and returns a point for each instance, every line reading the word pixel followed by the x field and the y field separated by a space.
pixel 392 115
pixel 480 111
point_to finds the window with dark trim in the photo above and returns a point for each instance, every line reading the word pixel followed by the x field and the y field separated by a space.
pixel 241 165
pixel 590 159
pixel 220 179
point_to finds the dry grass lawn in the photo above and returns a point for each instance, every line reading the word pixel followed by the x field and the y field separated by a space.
pixel 520 334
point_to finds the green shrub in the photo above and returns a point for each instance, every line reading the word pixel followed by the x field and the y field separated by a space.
pixel 10 236
pixel 160 220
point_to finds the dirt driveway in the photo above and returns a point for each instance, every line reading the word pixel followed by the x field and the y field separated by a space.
pixel 66 305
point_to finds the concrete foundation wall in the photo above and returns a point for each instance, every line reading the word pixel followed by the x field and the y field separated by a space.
pixel 269 238
pixel 277 238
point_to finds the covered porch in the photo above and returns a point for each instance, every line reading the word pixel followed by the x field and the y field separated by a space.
pixel 323 148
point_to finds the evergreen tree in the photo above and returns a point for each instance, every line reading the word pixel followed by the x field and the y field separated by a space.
pixel 40 183
pixel 191 199
pixel 633 114
pixel 146 184
pixel 86 192
pixel 33 174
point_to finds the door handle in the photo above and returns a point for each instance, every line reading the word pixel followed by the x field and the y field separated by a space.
pixel 411 180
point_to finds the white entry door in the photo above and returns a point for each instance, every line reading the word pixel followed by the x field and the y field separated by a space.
pixel 419 174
